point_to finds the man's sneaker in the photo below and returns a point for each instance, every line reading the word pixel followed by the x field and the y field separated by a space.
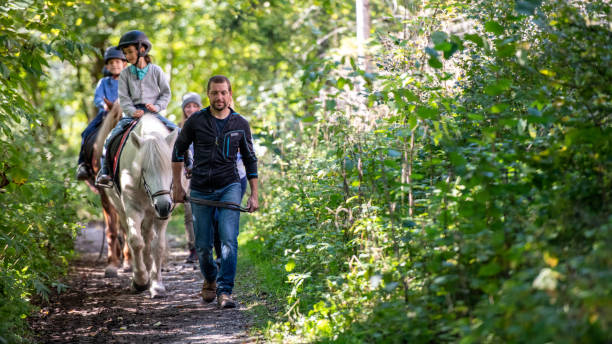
pixel 193 257
pixel 83 172
pixel 225 301
pixel 209 291
pixel 104 180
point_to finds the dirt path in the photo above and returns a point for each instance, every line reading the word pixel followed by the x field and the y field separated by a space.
pixel 102 310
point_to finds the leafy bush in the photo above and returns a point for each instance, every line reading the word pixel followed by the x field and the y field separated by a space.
pixel 37 228
pixel 469 212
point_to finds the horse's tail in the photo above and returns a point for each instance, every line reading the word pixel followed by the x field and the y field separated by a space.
pixel 110 121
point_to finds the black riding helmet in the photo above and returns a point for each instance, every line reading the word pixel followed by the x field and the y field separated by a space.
pixel 137 38
pixel 113 53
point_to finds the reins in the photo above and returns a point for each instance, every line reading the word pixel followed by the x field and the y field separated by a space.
pixel 217 204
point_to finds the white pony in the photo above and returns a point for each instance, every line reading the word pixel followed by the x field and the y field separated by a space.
pixel 145 202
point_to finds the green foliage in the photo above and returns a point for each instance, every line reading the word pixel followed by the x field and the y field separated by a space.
pixel 469 212
pixel 37 222
pixel 456 188
pixel 36 229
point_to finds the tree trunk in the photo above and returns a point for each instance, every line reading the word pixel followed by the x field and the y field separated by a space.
pixel 363 32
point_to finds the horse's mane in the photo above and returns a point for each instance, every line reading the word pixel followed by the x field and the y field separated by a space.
pixel 154 149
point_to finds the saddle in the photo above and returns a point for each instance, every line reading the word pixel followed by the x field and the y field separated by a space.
pixel 113 153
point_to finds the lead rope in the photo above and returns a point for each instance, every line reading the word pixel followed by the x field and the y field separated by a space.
pixel 218 204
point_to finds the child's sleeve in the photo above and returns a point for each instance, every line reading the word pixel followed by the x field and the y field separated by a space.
pixel 99 96
pixel 124 95
pixel 164 91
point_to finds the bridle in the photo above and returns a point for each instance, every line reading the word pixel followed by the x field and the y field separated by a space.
pixel 158 193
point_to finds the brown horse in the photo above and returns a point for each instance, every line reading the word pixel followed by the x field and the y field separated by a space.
pixel 118 250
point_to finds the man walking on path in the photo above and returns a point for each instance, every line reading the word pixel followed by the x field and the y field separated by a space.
pixel 217 132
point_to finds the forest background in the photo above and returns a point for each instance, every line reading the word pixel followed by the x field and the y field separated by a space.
pixel 432 171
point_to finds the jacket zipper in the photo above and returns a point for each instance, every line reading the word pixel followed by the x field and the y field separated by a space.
pixel 212 156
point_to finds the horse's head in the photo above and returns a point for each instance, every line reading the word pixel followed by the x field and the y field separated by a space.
pixel 157 171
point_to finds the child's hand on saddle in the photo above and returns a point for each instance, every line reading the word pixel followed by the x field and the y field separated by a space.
pixel 107 104
pixel 138 113
pixel 151 107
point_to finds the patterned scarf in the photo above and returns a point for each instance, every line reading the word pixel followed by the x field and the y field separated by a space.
pixel 139 72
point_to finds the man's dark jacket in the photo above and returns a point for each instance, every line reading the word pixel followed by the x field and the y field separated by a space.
pixel 214 160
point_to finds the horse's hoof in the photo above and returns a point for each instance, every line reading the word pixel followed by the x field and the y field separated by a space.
pixel 126 268
pixel 139 288
pixel 158 293
pixel 110 272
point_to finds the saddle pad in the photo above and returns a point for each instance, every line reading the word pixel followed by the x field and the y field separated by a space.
pixel 113 153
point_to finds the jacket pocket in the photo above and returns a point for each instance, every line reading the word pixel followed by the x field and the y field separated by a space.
pixel 231 142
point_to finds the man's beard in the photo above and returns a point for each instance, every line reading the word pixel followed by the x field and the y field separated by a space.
pixel 223 106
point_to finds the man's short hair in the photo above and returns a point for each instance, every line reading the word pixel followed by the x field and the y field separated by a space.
pixel 219 79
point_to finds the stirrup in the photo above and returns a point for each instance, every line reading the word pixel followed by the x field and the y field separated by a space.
pixel 104 184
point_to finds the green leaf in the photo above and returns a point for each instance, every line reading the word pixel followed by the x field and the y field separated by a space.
pixel 353 64
pixel 494 27
pixel 475 117
pixel 490 269
pixel 434 62
pixel 457 159
pixel 475 39
pixel 498 87
pixel 5 71
pixel 412 121
pixel 408 94
pixel 497 108
pixel 454 47
pixel 290 265
pixel 426 112
pixel 506 50
pixel 308 119
pixel 330 105
pixel 438 37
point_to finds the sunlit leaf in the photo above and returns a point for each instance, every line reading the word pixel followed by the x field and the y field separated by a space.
pixel 494 27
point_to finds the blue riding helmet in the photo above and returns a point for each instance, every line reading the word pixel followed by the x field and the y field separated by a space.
pixel 113 53
pixel 137 38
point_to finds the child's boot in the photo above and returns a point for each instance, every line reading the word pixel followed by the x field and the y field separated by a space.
pixel 83 172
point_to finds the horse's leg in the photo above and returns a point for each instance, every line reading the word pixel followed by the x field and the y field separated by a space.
pixel 147 235
pixel 127 255
pixel 140 275
pixel 114 250
pixel 158 249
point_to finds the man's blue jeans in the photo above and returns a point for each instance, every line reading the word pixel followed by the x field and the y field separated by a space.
pixel 229 221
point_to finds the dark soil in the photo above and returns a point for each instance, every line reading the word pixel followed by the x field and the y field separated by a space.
pixel 95 309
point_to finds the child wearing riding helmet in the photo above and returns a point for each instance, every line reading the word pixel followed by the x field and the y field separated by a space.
pixel 105 95
pixel 143 88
